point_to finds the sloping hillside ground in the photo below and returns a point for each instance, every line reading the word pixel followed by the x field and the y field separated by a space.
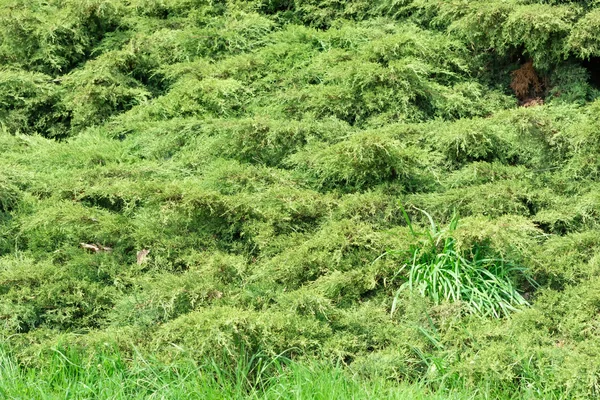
pixel 264 151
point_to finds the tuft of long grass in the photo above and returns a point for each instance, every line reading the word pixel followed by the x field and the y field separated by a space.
pixel 439 271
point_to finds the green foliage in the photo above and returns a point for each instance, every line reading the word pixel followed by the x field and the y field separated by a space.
pixel 439 271
pixel 582 40
pixel 570 85
pixel 36 294
pixel 9 195
pixel 361 161
pixel 213 180
pixel 106 86
pixel 111 374
pixel 544 31
pixel 30 103
pixel 53 37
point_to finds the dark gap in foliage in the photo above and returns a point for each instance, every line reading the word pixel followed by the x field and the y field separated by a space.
pixel 178 266
pixel 592 65
pixel 277 6
pixel 531 206
pixel 7 204
pixel 517 55
pixel 549 281
pixel 555 227
pixel 223 227
pixel 299 224
pixel 108 203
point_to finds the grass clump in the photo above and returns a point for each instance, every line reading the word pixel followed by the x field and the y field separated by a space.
pixel 439 270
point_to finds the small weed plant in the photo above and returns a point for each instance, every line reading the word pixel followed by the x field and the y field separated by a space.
pixel 439 271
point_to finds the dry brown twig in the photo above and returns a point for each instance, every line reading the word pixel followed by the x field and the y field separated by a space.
pixel 96 248
pixel 142 256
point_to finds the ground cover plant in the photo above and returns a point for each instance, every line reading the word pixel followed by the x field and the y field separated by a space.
pixel 320 197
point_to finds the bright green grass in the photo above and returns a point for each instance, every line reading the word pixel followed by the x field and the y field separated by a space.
pixel 111 376
pixel 440 271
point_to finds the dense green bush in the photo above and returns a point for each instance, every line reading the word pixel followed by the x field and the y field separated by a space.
pixel 31 103
pixel 54 37
pixel 193 178
pixel 9 195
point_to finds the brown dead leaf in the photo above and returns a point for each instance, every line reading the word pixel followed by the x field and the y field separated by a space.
pixel 96 248
pixel 142 256
pixel 91 247
pixel 526 82
pixel 532 102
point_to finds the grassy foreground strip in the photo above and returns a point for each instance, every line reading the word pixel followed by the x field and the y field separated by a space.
pixel 111 376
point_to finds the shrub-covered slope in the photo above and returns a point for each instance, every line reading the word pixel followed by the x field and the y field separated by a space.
pixel 194 177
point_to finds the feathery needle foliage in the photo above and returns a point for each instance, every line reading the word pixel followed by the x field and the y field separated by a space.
pixel 440 271
pixel 191 177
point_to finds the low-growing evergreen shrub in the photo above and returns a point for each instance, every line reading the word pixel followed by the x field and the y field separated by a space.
pixel 9 195
pixel 197 179
pixel 31 103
